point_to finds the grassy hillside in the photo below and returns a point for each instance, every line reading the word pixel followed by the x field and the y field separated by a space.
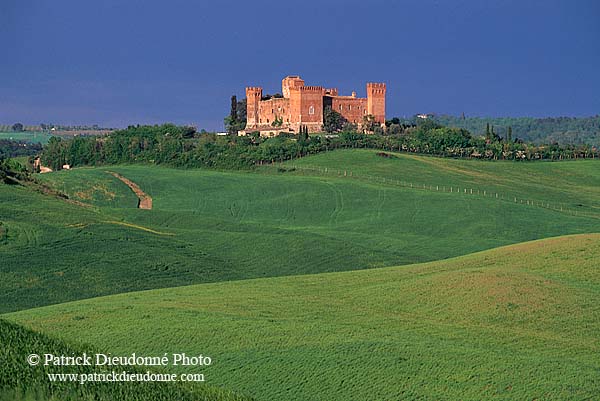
pixel 211 226
pixel 21 382
pixel 518 322
pixel 22 160
pixel 92 186
pixel 573 185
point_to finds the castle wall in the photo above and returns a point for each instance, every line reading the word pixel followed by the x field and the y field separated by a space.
pixel 269 110
pixel 352 109
pixel 311 104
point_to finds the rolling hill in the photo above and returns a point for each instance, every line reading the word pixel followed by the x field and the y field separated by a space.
pixel 574 185
pixel 209 226
pixel 516 322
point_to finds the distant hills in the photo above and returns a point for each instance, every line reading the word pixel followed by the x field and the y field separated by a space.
pixel 562 130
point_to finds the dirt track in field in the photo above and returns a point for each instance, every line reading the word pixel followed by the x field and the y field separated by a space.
pixel 144 200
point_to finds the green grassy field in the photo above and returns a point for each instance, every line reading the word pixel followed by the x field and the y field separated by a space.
pixel 21 382
pixel 27 136
pixel 513 323
pixel 92 186
pixel 209 226
pixel 518 322
pixel 573 185
pixel 22 160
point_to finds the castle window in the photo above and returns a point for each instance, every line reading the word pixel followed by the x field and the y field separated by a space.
pixel 365 111
pixel 311 110
pixel 341 107
pixel 349 107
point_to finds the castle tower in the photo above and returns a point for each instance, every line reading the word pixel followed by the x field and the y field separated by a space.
pixel 291 81
pixel 376 101
pixel 253 96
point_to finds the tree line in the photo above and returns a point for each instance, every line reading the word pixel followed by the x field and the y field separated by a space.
pixel 10 148
pixel 177 146
pixel 561 130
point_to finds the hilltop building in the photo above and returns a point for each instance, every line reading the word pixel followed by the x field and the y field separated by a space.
pixel 301 105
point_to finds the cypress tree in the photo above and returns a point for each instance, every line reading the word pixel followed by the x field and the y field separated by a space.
pixel 234 114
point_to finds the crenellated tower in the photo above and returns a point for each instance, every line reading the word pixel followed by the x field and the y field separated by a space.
pixel 290 82
pixel 253 96
pixel 376 101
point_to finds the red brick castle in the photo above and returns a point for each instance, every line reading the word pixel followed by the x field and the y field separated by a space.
pixel 304 105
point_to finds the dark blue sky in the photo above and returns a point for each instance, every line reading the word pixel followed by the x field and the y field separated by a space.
pixel 119 62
